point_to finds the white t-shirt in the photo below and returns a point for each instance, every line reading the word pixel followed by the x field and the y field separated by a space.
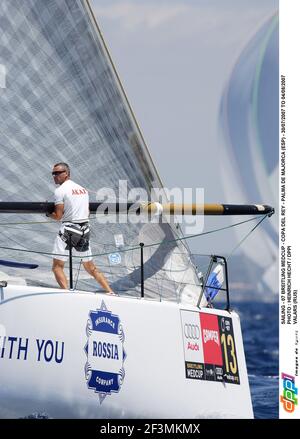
pixel 76 201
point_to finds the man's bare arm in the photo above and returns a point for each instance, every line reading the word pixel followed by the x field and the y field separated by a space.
pixel 58 212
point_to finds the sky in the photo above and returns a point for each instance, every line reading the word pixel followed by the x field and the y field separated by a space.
pixel 174 59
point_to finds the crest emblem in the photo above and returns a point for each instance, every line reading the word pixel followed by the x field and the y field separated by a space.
pixel 104 369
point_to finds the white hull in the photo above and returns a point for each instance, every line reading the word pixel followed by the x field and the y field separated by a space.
pixel 43 358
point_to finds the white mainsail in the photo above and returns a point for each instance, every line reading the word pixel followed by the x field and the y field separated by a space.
pixel 63 102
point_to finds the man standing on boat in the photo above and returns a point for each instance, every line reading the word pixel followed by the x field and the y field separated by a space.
pixel 72 209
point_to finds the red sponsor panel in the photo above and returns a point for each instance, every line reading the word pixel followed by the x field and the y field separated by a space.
pixel 211 339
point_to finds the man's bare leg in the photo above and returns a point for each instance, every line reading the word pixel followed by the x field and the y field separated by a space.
pixel 100 278
pixel 58 270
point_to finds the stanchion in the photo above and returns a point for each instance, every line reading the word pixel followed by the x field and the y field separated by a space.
pixel 142 268
pixel 70 263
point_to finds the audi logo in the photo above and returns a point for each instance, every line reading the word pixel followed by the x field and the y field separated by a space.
pixel 191 331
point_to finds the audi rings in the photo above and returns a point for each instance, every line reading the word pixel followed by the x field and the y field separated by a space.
pixel 191 331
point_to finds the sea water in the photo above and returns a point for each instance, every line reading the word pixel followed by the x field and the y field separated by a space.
pixel 260 333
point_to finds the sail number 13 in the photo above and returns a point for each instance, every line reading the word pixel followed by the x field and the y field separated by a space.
pixel 229 353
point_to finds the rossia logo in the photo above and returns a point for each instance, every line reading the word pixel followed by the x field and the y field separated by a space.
pixel 105 352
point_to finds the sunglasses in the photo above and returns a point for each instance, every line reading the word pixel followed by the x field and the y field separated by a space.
pixel 54 173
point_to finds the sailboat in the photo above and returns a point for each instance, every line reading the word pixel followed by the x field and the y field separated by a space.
pixel 252 171
pixel 160 348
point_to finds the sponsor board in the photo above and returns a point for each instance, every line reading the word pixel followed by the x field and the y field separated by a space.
pixel 209 347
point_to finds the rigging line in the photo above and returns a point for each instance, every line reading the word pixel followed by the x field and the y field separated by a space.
pixel 168 280
pixel 177 232
pixel 120 199
pixel 153 282
pixel 183 238
pixel 137 247
pixel 177 239
pixel 11 239
pixel 23 223
pixel 158 276
pixel 31 230
pixel 203 233
pixel 245 237
pixel 95 217
pixel 135 291
pixel 35 222
pixel 77 274
pixel 104 244
pixel 202 268
pixel 185 245
pixel 33 251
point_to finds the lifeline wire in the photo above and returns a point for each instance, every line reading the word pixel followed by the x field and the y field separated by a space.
pixel 138 247
pixel 245 237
